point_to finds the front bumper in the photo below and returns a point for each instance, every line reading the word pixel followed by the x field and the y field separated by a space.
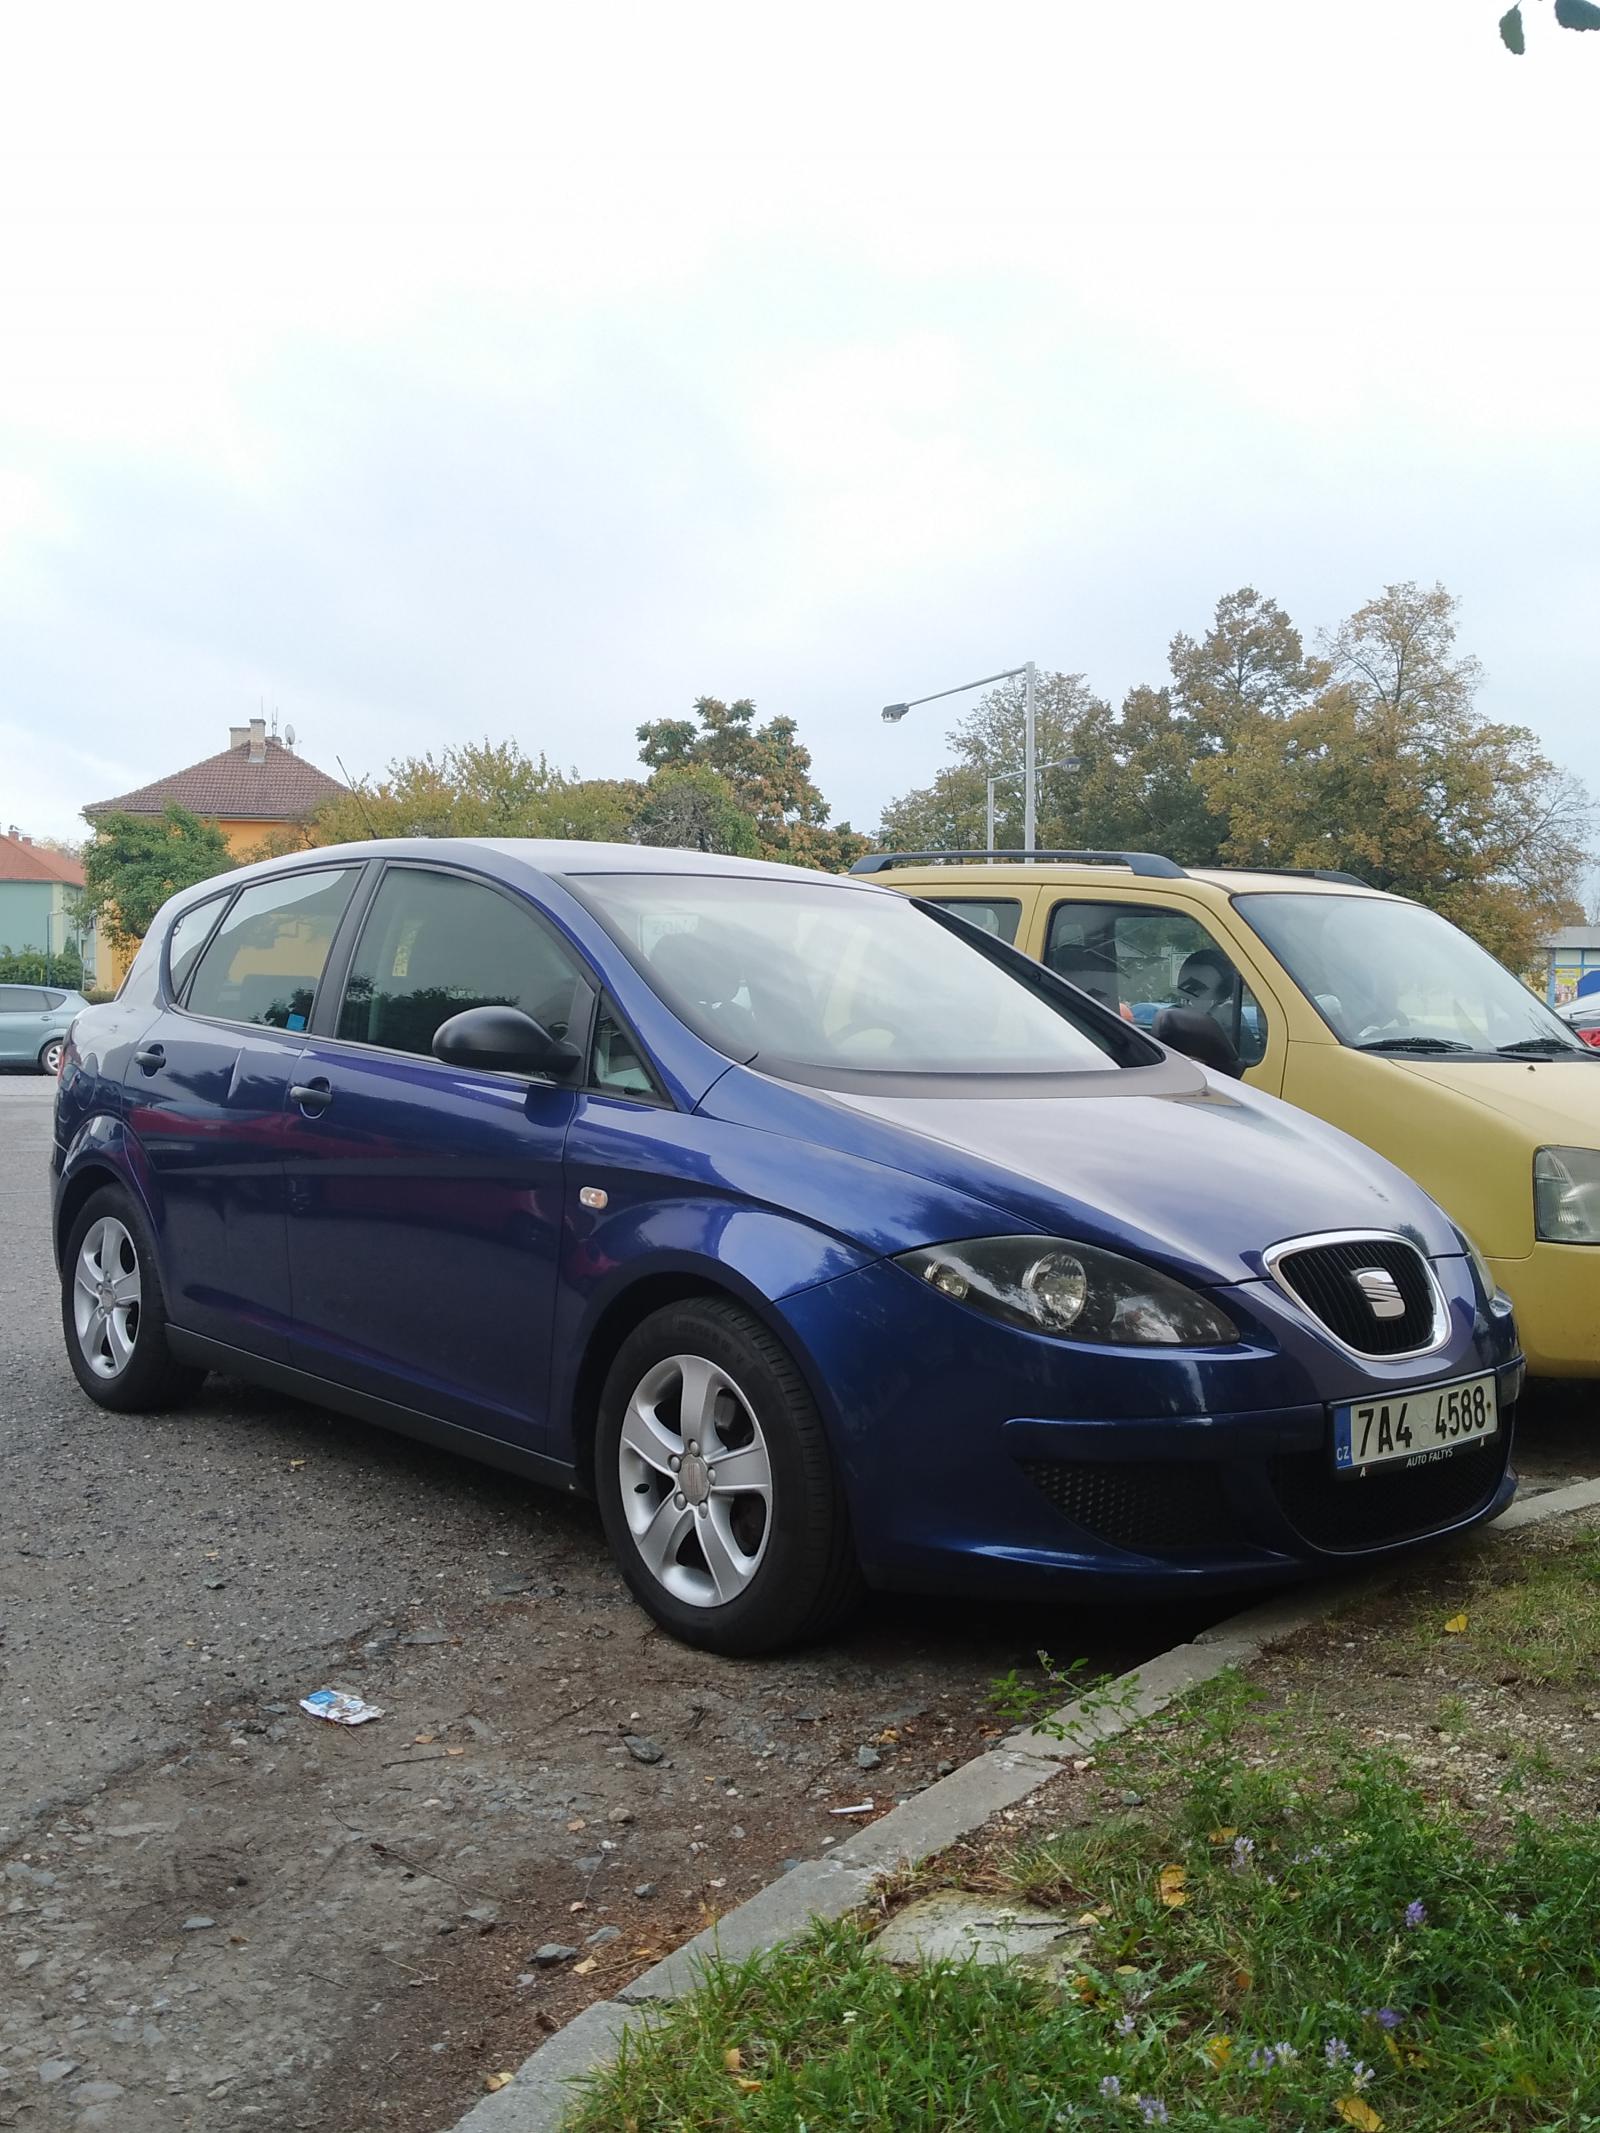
pixel 982 1459
pixel 1556 1290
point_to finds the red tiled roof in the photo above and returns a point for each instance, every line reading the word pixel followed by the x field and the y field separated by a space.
pixel 279 786
pixel 21 860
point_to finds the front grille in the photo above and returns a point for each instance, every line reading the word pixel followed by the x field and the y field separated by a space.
pixel 1323 1278
pixel 1147 1506
pixel 1347 1512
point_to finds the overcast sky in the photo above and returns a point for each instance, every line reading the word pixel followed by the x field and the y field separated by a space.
pixel 531 371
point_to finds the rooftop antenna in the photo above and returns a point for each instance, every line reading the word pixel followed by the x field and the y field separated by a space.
pixel 360 798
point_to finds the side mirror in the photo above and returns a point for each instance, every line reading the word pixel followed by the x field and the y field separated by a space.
pixel 504 1040
pixel 1186 1030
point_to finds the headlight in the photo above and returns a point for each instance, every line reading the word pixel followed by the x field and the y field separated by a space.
pixel 1566 1195
pixel 1073 1291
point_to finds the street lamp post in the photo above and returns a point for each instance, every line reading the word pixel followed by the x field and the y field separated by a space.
pixel 893 713
pixel 1066 762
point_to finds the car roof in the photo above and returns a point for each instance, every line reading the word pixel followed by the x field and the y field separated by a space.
pixel 558 856
pixel 925 871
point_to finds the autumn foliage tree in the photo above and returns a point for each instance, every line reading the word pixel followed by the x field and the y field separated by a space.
pixel 1368 755
pixel 768 772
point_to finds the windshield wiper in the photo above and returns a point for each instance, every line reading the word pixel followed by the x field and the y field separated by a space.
pixel 1545 1047
pixel 1412 1044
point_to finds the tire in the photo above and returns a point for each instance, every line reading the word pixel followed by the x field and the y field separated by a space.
pixel 50 1056
pixel 727 1569
pixel 119 1355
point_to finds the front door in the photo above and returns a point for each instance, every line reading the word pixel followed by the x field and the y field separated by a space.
pixel 204 1099
pixel 425 1201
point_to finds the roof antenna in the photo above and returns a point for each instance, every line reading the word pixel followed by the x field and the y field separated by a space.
pixel 360 799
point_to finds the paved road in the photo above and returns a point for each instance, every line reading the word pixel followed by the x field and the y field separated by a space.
pixel 233 1916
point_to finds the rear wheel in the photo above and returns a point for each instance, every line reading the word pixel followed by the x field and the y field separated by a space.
pixel 716 1484
pixel 50 1057
pixel 113 1313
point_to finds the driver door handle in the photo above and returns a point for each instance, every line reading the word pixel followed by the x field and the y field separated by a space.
pixel 151 1057
pixel 313 1097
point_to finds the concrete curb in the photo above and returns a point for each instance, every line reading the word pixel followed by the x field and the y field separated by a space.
pixel 538 2098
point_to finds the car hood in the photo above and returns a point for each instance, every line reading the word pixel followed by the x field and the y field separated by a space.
pixel 1203 1179
pixel 1556 1100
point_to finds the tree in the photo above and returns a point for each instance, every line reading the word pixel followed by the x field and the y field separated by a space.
pixel 1571 14
pixel 1391 772
pixel 694 808
pixel 475 789
pixel 133 863
pixel 768 772
pixel 1250 663
pixel 31 966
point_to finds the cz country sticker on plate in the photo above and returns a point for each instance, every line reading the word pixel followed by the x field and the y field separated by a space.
pixel 1414 1428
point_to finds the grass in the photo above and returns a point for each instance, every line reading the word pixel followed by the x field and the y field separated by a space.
pixel 1301 1929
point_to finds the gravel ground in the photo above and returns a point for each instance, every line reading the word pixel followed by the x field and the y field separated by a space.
pixel 217 1913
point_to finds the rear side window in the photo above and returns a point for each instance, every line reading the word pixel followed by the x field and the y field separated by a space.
pixel 188 936
pixel 264 961
pixel 21 1000
pixel 435 944
pixel 999 915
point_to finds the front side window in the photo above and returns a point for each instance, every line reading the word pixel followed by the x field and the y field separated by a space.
pixel 1137 959
pixel 188 936
pixel 264 961
pixel 999 915
pixel 436 944
pixel 1393 976
pixel 834 978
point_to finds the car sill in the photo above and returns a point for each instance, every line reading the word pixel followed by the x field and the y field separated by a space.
pixel 208 1354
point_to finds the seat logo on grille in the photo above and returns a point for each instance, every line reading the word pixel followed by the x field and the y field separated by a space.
pixel 1381 1290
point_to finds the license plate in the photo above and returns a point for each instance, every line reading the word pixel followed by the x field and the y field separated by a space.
pixel 1415 1428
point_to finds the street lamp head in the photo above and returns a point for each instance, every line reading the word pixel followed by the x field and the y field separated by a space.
pixel 893 713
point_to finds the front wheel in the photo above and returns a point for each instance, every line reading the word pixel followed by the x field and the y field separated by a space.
pixel 717 1486
pixel 50 1057
pixel 113 1313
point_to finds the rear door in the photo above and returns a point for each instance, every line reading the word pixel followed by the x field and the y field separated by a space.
pixel 425 1201
pixel 205 1091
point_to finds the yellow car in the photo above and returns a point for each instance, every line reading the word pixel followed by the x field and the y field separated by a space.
pixel 1370 1010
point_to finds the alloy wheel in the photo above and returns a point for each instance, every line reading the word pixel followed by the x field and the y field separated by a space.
pixel 106 1294
pixel 696 1480
pixel 50 1057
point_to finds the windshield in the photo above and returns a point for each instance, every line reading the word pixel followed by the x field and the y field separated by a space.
pixel 833 978
pixel 1396 977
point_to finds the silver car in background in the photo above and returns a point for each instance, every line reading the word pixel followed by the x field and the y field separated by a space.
pixel 34 1020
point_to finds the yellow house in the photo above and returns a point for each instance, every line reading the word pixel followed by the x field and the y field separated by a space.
pixel 255 786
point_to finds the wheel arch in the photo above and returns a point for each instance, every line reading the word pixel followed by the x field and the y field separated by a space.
pixel 629 1307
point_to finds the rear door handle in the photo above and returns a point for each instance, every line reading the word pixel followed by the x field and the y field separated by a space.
pixel 151 1057
pixel 313 1097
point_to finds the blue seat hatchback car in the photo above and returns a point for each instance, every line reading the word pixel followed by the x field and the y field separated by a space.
pixel 825 1241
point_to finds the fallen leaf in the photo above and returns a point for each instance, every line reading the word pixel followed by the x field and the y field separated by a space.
pixel 590 1962
pixel 295 1465
pixel 498 2081
pixel 1222 1836
pixel 1127 1970
pixel 213 1555
pixel 455 1751
pixel 1086 1989
pixel 1243 1980
pixel 578 1906
pixel 1455 1625
pixel 741 2082
pixel 575 1825
pixel 1356 2113
pixel 422 1740
pixel 1089 1918
pixel 733 2059
pixel 1171 1883
pixel 1219 2050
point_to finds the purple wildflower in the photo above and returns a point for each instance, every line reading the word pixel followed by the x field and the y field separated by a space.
pixel 1389 2018
pixel 1243 1847
pixel 1336 2051
pixel 1416 1914
pixel 1361 2076
pixel 1154 2110
pixel 1126 2025
pixel 1111 2087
